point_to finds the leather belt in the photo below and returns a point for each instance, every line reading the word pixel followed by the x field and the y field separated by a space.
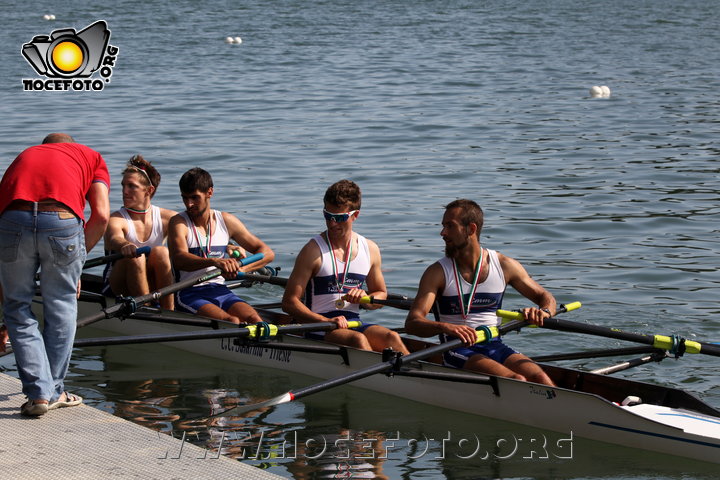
pixel 42 206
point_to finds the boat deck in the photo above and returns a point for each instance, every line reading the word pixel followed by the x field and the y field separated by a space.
pixel 86 443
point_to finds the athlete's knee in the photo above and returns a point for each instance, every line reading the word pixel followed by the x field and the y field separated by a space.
pixel 361 342
pixel 232 318
pixel 517 376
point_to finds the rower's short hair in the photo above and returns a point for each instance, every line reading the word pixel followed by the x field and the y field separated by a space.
pixel 471 212
pixel 344 193
pixel 147 172
pixel 195 179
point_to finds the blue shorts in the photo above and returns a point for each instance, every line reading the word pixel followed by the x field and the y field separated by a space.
pixel 494 350
pixel 191 299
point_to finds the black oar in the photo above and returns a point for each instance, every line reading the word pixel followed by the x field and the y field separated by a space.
pixel 483 335
pixel 673 344
pixel 402 303
pixel 272 278
pixel 263 278
pixel 128 306
pixel 94 262
pixel 258 331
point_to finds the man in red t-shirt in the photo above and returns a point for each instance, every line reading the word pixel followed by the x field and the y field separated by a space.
pixel 42 226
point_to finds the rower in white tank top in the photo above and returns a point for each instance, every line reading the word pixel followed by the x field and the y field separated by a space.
pixel 322 294
pixel 155 239
pixel 487 298
pixel 198 246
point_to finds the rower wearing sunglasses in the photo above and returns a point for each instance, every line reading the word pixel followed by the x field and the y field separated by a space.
pixel 331 272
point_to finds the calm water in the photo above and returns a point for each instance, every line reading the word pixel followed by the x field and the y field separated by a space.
pixel 612 202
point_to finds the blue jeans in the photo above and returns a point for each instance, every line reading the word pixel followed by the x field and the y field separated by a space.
pixel 56 245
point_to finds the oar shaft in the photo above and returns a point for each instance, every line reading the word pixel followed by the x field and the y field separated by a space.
pixel 94 262
pixel 247 331
pixel 672 344
pixel 396 362
pixel 256 277
pixel 156 295
pixel 401 303
pixel 658 341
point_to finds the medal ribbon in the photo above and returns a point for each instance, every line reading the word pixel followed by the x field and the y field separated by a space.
pixel 348 255
pixel 208 238
pixel 465 309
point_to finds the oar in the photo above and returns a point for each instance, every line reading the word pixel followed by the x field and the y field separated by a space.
pixel 94 262
pixel 483 335
pixel 674 344
pixel 128 306
pixel 257 331
pixel 264 278
pixel 272 278
pixel 402 303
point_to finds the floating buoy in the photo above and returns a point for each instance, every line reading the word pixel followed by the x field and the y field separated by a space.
pixel 238 40
pixel 229 40
pixel 233 40
pixel 49 17
pixel 600 91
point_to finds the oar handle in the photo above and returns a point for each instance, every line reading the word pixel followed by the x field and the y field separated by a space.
pixel 112 257
pixel 256 257
pixel 401 303
pixel 562 308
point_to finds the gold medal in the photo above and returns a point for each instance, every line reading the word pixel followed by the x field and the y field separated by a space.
pixel 339 303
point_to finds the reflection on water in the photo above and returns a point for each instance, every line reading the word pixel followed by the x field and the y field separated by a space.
pixel 343 433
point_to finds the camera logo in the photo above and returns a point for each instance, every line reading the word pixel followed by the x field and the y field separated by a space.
pixel 69 59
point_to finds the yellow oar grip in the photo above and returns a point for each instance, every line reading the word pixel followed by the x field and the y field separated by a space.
pixel 572 306
pixel 253 329
pixel 482 337
pixel 355 323
pixel 509 315
pixel 666 343
pixel 366 299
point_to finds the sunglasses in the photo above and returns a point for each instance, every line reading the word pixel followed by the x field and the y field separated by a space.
pixel 338 217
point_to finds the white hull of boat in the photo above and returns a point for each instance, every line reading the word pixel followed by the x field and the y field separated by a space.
pixel 576 410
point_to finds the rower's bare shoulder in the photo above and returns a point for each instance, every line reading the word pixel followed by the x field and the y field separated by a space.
pixel 434 276
pixel 308 260
pixel 167 214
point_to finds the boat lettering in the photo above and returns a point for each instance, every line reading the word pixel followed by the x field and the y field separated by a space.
pixel 256 350
pixel 280 355
pixel 229 345
pixel 548 393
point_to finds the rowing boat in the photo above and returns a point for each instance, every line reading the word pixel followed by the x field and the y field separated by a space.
pixel 584 404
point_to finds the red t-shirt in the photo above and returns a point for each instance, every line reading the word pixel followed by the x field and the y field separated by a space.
pixel 61 171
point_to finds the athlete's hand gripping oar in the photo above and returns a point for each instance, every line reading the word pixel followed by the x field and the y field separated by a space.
pixel 562 308
pixel 258 331
pixel 127 307
pixel 483 335
pixel 673 344
pixel 94 262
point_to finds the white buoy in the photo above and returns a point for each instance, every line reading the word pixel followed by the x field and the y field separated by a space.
pixel 229 40
pixel 52 17
pixel 238 40
pixel 605 91
pixel 596 92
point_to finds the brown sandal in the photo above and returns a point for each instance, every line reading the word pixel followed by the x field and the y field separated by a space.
pixel 33 409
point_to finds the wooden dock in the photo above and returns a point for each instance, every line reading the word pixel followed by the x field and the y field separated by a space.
pixel 86 443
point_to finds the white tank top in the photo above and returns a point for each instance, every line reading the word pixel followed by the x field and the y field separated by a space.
pixel 156 237
pixel 218 246
pixel 322 292
pixel 487 299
